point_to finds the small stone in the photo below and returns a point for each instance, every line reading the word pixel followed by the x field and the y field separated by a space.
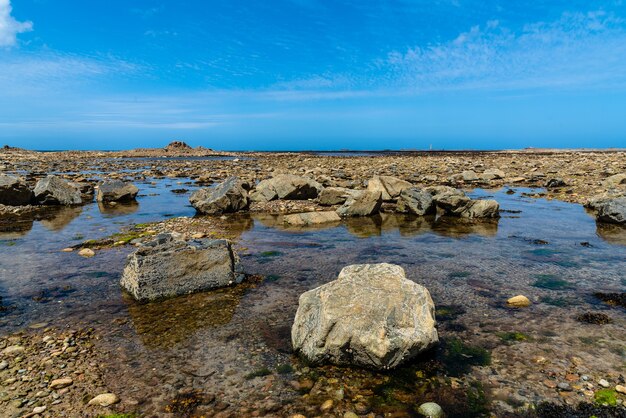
pixel 39 409
pixel 327 405
pixel 604 383
pixel 86 252
pixel 3 365
pixel 198 235
pixel 13 350
pixel 298 416
pixel 61 383
pixel 431 410
pixel 104 399
pixel 67 250
pixel 621 389
pixel 550 384
pixel 350 414
pixel 564 386
pixel 519 301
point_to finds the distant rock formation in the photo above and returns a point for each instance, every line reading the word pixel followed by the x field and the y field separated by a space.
pixel 178 146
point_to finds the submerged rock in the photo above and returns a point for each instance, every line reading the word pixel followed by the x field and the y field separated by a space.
pixel 286 186
pixel 415 201
pixel 364 204
pixel 430 410
pixel 14 191
pixel 311 218
pixel 53 190
pixel 116 191
pixel 389 187
pixel 227 197
pixel 371 316
pixel 168 267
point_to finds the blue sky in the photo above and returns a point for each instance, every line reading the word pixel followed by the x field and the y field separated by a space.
pixel 313 74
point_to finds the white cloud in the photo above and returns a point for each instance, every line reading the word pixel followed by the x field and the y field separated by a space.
pixel 9 27
pixel 578 50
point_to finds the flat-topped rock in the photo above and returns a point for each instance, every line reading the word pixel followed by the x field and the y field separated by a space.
pixel 168 267
pixel 287 187
pixel 365 203
pixel 116 191
pixel 389 187
pixel 371 316
pixel 311 218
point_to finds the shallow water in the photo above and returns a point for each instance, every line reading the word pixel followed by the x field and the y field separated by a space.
pixel 550 251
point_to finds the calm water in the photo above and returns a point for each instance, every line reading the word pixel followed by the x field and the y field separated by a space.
pixel 550 251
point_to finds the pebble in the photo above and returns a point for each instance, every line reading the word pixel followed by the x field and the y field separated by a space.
pixel 67 250
pixel 604 383
pixel 298 416
pixel 431 410
pixel 519 301
pixel 327 405
pixel 104 399
pixel 61 383
pixel 13 350
pixel 620 389
pixel 3 365
pixel 549 383
pixel 86 252
pixel 39 409
pixel 564 386
pixel 350 414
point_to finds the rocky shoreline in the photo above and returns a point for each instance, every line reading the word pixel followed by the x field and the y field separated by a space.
pixel 48 370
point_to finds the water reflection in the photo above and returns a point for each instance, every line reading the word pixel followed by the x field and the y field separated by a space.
pixel 118 209
pixel 61 217
pixel 167 323
pixel 613 234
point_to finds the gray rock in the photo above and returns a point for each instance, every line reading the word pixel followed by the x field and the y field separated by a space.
pixel 330 196
pixel 168 267
pixel 555 182
pixel 469 176
pixel 229 196
pixel 116 191
pixel 286 186
pixel 452 203
pixel 14 191
pixel 311 218
pixel 612 210
pixel 364 204
pixel 493 174
pixel 487 208
pixel 53 190
pixel 415 201
pixel 389 187
pixel 371 316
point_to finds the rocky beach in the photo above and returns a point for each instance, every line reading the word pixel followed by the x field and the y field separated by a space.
pixel 189 282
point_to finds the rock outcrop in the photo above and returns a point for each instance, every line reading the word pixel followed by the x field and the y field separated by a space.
pixel 168 267
pixel 371 316
pixel 14 191
pixel 365 203
pixel 330 196
pixel 116 191
pixel 286 186
pixel 612 211
pixel 389 187
pixel 53 190
pixel 227 197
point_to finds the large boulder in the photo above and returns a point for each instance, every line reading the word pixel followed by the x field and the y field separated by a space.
pixel 286 186
pixel 415 201
pixel 53 190
pixel 389 187
pixel 487 208
pixel 371 316
pixel 452 203
pixel 116 191
pixel 168 267
pixel 364 204
pixel 612 210
pixel 14 191
pixel 229 196
pixel 311 218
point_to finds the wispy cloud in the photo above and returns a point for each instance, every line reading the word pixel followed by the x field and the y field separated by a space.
pixel 578 50
pixel 9 27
